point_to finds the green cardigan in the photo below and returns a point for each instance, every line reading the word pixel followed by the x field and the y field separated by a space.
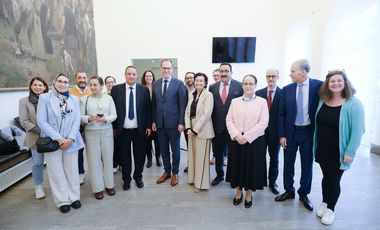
pixel 351 129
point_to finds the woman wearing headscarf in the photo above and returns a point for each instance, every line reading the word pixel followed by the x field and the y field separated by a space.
pixel 58 116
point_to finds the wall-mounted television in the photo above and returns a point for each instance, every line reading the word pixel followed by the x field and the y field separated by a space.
pixel 233 49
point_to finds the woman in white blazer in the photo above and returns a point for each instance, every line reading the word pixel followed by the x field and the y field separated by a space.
pixel 98 112
pixel 27 113
pixel 200 130
pixel 58 116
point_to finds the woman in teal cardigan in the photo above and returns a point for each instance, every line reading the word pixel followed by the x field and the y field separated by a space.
pixel 339 128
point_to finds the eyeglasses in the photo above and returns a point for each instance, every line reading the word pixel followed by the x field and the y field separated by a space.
pixel 271 76
pixel 248 84
pixel 166 68
pixel 62 82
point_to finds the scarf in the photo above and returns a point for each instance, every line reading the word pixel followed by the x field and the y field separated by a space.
pixel 33 98
pixel 64 104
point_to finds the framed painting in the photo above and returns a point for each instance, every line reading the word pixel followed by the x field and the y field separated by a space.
pixel 44 38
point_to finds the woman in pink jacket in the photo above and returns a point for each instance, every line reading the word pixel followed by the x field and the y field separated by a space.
pixel 246 121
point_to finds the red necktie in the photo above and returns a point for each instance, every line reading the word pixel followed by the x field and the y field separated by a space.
pixel 224 93
pixel 269 99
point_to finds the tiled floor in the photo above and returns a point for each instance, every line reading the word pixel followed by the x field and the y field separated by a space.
pixel 164 207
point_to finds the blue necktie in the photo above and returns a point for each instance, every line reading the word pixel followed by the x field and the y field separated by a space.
pixel 299 116
pixel 131 113
pixel 165 88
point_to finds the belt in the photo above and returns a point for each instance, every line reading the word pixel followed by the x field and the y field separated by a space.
pixel 130 129
pixel 302 127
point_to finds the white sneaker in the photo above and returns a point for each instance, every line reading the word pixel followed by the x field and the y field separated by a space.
pixel 328 217
pixel 225 161
pixel 212 161
pixel 321 210
pixel 81 178
pixel 115 170
pixel 40 194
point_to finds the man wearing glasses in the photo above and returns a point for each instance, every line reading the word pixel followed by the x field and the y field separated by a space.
pixel 223 91
pixel 272 94
pixel 169 103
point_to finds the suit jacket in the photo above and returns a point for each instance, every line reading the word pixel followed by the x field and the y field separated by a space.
pixel 220 111
pixel 169 110
pixel 143 107
pixel 54 125
pixel 288 107
pixel 202 121
pixel 27 114
pixel 272 131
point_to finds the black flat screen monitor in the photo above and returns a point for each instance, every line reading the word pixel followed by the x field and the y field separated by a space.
pixel 233 49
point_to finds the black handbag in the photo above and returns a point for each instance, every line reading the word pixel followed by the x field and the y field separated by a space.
pixel 46 144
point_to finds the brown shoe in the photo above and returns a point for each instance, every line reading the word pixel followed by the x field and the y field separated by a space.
pixel 175 180
pixel 110 191
pixel 163 178
pixel 99 195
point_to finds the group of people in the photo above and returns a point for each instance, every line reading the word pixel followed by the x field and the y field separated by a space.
pixel 321 120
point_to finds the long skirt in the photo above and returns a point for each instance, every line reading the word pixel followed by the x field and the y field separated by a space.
pixel 247 168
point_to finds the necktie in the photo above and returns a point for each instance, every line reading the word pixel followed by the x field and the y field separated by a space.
pixel 224 93
pixel 165 87
pixel 299 116
pixel 131 113
pixel 269 99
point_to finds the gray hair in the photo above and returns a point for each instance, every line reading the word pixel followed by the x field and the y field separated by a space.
pixel 303 64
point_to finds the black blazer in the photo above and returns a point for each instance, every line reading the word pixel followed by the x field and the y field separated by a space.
pixel 272 130
pixel 143 107
pixel 220 111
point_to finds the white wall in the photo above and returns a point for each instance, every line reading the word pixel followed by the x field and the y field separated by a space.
pixel 9 106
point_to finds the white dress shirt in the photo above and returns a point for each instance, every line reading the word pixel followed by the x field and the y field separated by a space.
pixel 130 124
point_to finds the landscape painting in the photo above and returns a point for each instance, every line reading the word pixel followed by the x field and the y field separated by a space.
pixel 44 38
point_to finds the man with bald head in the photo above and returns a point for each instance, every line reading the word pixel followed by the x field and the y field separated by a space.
pixel 298 105
pixel 272 94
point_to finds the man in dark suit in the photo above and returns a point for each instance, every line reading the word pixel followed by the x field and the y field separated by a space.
pixel 169 103
pixel 223 91
pixel 296 127
pixel 272 94
pixel 133 123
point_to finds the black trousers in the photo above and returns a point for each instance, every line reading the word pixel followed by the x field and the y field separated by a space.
pixel 331 186
pixel 80 161
pixel 116 152
pixel 273 149
pixel 126 138
pixel 153 137
pixel 219 142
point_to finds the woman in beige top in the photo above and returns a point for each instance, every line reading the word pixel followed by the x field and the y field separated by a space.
pixel 200 131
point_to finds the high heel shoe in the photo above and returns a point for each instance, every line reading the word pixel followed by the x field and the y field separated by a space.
pixel 248 204
pixel 237 201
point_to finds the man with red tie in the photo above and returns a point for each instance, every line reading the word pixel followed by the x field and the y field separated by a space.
pixel 272 93
pixel 223 91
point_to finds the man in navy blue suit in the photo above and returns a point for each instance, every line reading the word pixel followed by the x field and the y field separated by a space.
pixel 133 123
pixel 169 103
pixel 296 127
pixel 272 94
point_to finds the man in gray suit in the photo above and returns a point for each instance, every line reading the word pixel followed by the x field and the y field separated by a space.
pixel 223 91
pixel 169 103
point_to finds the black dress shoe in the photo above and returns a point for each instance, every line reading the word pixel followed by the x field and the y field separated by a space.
pixel 76 204
pixel 140 184
pixel 216 181
pixel 237 201
pixel 274 190
pixel 248 204
pixel 126 186
pixel 149 163
pixel 158 162
pixel 64 208
pixel 284 196
pixel 186 170
pixel 306 202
